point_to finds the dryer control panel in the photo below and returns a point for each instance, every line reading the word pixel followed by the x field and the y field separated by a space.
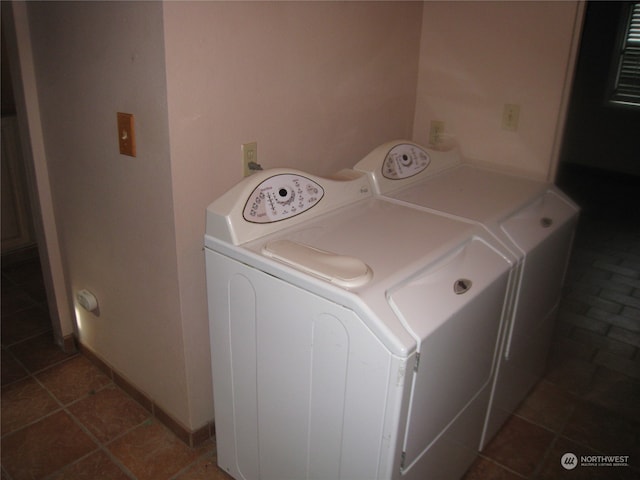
pixel 394 165
pixel 405 160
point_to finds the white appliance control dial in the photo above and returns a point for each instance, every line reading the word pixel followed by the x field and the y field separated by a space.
pixel 280 197
pixel 404 160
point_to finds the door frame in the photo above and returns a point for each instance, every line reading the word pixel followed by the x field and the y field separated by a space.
pixel 15 23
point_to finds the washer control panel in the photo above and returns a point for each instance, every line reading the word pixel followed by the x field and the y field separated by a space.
pixel 263 203
pixel 280 197
pixel 404 160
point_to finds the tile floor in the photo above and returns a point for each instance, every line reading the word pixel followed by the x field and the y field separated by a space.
pixel 589 401
pixel 62 418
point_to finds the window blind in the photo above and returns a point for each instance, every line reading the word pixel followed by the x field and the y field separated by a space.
pixel 627 87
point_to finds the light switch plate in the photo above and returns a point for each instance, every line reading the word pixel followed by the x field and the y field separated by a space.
pixel 126 134
pixel 510 117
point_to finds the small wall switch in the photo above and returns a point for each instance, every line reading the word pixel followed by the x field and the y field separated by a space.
pixel 436 130
pixel 126 134
pixel 510 117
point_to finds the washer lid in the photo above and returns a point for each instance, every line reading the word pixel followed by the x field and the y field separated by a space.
pixel 343 270
pixel 391 240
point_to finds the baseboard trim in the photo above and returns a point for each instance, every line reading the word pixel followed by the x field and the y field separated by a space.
pixel 193 438
pixel 69 344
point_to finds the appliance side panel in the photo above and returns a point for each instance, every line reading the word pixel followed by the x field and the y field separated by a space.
pixel 284 353
pixel 329 361
pixel 220 280
pixel 301 385
pixel 243 338
pixel 370 379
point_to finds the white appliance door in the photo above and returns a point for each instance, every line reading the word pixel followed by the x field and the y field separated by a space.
pixel 455 309
pixel 543 231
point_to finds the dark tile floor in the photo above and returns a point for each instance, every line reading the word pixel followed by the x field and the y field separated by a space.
pixel 62 418
pixel 589 401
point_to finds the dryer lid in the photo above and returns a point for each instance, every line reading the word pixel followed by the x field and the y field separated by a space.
pixel 473 193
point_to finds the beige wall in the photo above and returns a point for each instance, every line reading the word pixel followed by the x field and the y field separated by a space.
pixel 114 213
pixel 477 56
pixel 316 84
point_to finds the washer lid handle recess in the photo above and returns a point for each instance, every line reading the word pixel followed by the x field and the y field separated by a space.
pixel 342 270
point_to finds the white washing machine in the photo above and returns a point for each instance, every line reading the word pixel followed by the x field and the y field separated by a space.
pixel 351 337
pixel 533 221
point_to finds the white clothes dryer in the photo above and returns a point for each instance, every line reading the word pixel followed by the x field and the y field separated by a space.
pixel 533 221
pixel 351 337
